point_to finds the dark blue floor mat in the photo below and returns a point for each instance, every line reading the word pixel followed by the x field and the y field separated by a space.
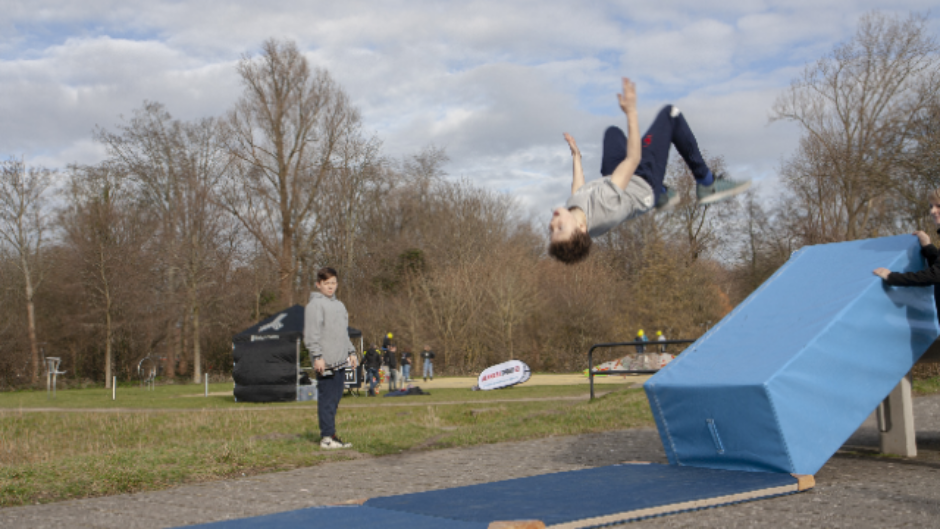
pixel 581 494
pixel 578 499
pixel 343 517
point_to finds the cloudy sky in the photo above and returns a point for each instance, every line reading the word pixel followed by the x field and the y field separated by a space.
pixel 495 83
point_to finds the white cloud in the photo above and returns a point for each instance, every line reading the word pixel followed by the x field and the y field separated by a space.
pixel 494 82
pixel 51 104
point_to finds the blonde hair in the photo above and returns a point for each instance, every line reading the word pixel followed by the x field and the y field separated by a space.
pixel 934 196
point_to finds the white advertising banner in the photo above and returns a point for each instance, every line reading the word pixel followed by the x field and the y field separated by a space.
pixel 504 375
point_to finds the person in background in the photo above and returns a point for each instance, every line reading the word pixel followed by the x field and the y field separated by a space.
pixel 372 361
pixel 641 337
pixel 427 356
pixel 406 366
pixel 661 338
pixel 391 360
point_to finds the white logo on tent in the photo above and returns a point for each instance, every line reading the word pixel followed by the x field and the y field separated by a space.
pixel 275 324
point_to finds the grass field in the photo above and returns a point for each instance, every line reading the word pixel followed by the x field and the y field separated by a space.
pixel 149 440
pixel 89 445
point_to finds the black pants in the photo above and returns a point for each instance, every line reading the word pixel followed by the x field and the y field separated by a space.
pixel 665 131
pixel 329 392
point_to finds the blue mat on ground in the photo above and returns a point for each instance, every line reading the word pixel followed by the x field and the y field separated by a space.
pixel 788 376
pixel 344 517
pixel 581 498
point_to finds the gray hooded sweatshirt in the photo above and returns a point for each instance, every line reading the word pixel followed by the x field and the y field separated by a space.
pixel 325 331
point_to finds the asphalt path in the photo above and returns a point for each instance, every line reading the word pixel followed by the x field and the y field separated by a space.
pixel 857 488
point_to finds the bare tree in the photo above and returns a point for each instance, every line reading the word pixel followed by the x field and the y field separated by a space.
pixel 286 134
pixel 350 192
pixel 206 233
pixel 855 107
pixel 106 232
pixel 920 166
pixel 700 228
pixel 513 295
pixel 176 168
pixel 23 223
pixel 763 244
pixel 455 299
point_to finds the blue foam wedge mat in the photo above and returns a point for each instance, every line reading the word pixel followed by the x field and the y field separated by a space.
pixel 783 381
pixel 586 498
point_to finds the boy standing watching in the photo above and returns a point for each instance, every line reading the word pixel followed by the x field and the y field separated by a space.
pixel 406 366
pixel 427 369
pixel 326 337
pixel 595 208
pixel 372 361
pixel 391 360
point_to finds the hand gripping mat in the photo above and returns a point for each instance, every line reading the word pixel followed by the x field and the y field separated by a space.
pixel 577 499
pixel 783 380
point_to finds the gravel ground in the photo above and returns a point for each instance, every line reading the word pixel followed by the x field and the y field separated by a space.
pixel 856 488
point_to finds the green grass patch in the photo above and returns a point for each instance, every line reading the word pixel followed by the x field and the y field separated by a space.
pixel 167 437
pixel 171 396
pixel 191 396
pixel 927 386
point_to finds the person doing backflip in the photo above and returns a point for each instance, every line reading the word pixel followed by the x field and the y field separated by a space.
pixel 600 205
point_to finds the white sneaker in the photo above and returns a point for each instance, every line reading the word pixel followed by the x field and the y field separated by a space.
pixel 332 442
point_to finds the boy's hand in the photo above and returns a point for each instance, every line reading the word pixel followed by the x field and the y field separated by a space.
pixel 319 365
pixel 628 98
pixel 923 238
pixel 577 173
pixel 573 146
pixel 882 272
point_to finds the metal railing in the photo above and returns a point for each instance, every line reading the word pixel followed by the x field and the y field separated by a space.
pixel 652 344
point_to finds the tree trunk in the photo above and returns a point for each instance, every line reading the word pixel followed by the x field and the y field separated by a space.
pixel 31 323
pixel 286 262
pixel 169 363
pixel 197 351
pixel 182 351
pixel 108 351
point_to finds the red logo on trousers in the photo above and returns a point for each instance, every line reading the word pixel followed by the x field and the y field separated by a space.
pixel 647 140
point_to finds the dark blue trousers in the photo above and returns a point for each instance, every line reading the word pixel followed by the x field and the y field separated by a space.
pixel 666 130
pixel 329 392
pixel 372 376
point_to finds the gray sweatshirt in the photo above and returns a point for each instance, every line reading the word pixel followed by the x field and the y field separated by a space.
pixel 325 331
pixel 605 205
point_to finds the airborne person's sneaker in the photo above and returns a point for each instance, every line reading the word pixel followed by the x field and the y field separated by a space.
pixel 666 201
pixel 332 442
pixel 722 188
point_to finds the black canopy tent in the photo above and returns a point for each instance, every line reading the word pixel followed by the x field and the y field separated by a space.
pixel 267 357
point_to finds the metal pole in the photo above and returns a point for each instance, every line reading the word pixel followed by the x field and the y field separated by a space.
pixel 114 388
pixel 621 344
pixel 207 385
pixel 591 370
